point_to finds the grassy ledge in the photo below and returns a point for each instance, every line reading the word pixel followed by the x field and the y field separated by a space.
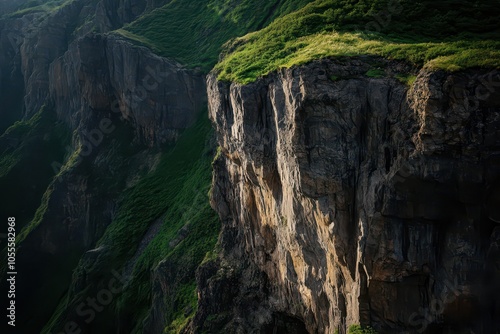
pixel 327 28
pixel 193 33
pixel 38 6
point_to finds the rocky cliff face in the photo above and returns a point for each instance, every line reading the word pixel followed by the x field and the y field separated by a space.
pixel 123 104
pixel 30 43
pixel 100 74
pixel 347 199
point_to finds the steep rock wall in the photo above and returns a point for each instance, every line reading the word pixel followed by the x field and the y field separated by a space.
pixel 30 43
pixel 123 104
pixel 104 73
pixel 40 44
pixel 347 199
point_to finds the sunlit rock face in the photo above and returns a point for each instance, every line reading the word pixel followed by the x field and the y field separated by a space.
pixel 347 199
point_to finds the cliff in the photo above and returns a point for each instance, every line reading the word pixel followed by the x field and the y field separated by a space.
pixel 98 74
pixel 102 121
pixel 358 189
pixel 347 199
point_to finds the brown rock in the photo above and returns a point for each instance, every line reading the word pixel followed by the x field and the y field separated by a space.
pixel 359 200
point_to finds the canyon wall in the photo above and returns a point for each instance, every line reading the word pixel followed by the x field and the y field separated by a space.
pixel 347 199
pixel 122 106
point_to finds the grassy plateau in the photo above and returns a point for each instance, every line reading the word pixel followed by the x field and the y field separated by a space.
pixel 436 35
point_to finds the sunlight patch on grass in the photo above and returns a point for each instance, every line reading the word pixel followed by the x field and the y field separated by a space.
pixel 257 57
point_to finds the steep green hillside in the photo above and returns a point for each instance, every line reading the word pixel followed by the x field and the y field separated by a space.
pixel 38 6
pixel 193 33
pixel 27 150
pixel 450 35
pixel 161 226
pixel 176 193
pixel 165 217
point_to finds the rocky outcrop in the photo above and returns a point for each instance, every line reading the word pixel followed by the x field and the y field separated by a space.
pixel 40 43
pixel 351 199
pixel 31 42
pixel 104 73
pixel 111 14
pixel 123 104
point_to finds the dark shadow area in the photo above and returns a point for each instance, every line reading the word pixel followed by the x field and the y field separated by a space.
pixel 285 324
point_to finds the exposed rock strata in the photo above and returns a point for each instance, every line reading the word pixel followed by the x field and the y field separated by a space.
pixel 350 199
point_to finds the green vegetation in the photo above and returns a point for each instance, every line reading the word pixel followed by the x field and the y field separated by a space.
pixel 164 222
pixel 175 195
pixel 180 169
pixel 193 32
pixel 38 6
pixel 189 231
pixel 328 28
pixel 375 73
pixel 357 329
pixel 407 79
pixel 28 149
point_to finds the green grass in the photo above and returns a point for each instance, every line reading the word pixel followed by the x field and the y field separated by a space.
pixel 193 32
pixel 327 28
pixel 182 182
pixel 157 192
pixel 177 193
pixel 357 329
pixel 27 150
pixel 38 6
pixel 375 73
pixel 407 79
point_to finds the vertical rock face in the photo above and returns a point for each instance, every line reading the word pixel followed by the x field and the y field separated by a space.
pixel 103 73
pixel 349 199
pixel 110 93
pixel 112 14
pixel 121 102
pixel 30 43
pixel 40 45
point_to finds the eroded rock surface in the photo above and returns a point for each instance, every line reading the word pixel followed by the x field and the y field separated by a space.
pixel 349 199
pixel 105 74
pixel 122 104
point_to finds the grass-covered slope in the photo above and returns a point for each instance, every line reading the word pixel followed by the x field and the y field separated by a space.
pixel 448 34
pixel 177 194
pixel 27 150
pixel 164 218
pixel 193 32
pixel 38 6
